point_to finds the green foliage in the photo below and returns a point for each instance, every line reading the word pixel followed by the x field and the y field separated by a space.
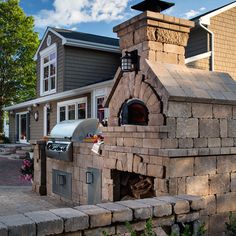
pixel 187 231
pixel 18 43
pixel 4 139
pixel 148 231
pixel 130 229
pixel 231 226
pixel 201 230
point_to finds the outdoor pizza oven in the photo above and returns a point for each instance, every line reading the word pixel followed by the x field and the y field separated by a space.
pixel 60 145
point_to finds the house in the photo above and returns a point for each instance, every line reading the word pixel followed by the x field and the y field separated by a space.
pixel 211 44
pixel 74 73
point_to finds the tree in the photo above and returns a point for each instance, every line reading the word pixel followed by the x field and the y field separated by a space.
pixel 18 43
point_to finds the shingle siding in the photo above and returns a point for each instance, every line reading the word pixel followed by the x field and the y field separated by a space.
pixel 224 28
pixel 84 67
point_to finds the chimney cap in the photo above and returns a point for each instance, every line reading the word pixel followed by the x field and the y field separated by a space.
pixel 152 5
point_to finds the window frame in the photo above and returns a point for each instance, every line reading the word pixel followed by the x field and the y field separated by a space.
pixel 43 54
pixel 68 103
pixel 99 93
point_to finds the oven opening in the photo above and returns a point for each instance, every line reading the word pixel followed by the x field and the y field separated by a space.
pixel 134 112
pixel 128 186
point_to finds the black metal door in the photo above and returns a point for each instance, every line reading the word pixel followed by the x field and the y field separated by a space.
pixel 94 182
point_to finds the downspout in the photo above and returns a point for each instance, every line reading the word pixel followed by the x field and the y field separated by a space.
pixel 212 43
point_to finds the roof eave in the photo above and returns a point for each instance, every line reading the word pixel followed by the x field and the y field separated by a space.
pixel 61 95
pixel 92 45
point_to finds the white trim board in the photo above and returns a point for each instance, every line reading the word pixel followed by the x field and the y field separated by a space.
pixel 197 57
pixel 62 95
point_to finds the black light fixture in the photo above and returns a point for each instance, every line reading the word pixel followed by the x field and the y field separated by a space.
pixel 129 62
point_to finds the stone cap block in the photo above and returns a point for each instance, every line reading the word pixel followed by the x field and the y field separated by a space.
pixel 180 206
pixel 155 17
pixel 160 208
pixel 141 210
pixel 17 225
pixel 73 220
pixel 196 202
pixel 98 216
pixel 47 222
pixel 119 212
pixel 184 218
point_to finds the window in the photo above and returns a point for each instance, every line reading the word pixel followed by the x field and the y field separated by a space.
pixel 22 127
pixel 100 109
pixel 48 70
pixel 72 110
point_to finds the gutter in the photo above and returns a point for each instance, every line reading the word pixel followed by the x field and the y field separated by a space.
pixel 200 22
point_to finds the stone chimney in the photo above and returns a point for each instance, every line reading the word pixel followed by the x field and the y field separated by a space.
pixel 157 37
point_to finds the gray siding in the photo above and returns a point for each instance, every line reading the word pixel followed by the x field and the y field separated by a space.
pixel 60 63
pixel 84 66
pixel 37 128
pixel 197 43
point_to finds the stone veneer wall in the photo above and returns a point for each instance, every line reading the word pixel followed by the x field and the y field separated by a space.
pixel 83 158
pixel 92 220
pixel 193 153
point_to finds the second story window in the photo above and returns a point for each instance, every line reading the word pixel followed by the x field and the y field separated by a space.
pixel 48 70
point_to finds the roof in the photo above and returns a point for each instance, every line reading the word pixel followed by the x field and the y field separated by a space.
pixel 69 34
pixel 207 15
pixel 187 84
pixel 83 40
pixel 62 95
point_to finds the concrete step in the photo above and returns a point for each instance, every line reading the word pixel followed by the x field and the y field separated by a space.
pixel 21 154
pixel 27 148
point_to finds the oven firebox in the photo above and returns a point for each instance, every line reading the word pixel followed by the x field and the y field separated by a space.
pixel 127 186
pixel 134 112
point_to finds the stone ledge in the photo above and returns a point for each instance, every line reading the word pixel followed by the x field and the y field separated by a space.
pixel 77 219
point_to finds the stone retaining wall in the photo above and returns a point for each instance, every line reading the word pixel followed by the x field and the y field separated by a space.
pixel 92 220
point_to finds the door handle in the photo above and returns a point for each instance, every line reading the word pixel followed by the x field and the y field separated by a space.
pixel 89 177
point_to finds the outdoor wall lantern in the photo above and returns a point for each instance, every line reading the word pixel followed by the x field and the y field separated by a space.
pixel 36 116
pixel 129 62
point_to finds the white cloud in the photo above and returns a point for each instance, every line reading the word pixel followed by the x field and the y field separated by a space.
pixel 192 13
pixel 68 13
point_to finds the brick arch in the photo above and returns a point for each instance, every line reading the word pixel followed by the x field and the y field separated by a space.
pixel 139 90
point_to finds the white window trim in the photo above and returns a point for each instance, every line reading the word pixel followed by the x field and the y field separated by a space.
pixel 72 102
pixel 43 54
pixel 21 113
pixel 98 93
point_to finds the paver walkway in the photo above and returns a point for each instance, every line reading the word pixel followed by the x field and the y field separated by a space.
pixel 10 172
pixel 16 195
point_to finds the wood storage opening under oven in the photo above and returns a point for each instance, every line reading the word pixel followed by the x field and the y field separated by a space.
pixel 128 186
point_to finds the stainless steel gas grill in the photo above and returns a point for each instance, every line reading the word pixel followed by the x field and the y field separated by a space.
pixel 60 145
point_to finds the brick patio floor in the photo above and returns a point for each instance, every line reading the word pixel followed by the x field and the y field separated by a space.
pixel 16 195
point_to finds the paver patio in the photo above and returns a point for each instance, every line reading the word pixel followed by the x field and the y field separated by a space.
pixel 16 195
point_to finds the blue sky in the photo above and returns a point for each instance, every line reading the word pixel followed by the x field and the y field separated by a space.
pixel 100 16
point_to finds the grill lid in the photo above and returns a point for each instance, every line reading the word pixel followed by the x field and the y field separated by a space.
pixel 75 130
